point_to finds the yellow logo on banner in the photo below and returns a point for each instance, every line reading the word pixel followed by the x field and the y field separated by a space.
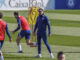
pixel 33 15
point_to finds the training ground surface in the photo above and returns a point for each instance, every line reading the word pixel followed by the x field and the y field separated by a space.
pixel 65 26
pixel 72 53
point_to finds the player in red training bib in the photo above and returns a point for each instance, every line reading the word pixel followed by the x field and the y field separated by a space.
pixel 25 31
pixel 3 28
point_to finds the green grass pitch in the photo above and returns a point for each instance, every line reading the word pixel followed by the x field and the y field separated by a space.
pixel 65 28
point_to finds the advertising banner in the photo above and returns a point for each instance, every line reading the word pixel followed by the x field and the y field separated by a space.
pixel 25 4
pixel 67 4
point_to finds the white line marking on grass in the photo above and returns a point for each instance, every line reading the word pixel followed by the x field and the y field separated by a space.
pixel 71 31
pixel 70 52
pixel 69 17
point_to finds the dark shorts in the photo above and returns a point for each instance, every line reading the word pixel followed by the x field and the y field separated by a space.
pixel 25 33
pixel 1 44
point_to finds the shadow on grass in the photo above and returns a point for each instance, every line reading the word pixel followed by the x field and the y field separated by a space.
pixel 53 52
pixel 25 57
pixel 71 52
pixel 68 52
pixel 17 57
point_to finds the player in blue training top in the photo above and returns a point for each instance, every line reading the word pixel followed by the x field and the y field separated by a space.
pixel 3 28
pixel 25 31
pixel 41 24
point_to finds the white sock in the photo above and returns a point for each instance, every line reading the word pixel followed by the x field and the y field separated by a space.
pixel 51 55
pixel 39 54
pixel 19 48
pixel 35 43
pixel 1 57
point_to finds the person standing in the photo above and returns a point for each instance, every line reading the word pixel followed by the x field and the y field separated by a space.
pixel 40 26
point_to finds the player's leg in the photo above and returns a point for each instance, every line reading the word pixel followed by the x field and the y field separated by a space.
pixel 1 55
pixel 39 46
pixel 28 37
pixel 44 36
pixel 32 44
pixel 20 36
pixel 19 44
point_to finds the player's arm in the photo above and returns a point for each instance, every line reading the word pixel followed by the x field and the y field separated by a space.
pixel 36 25
pixel 49 28
pixel 8 33
pixel 19 25
pixel 29 10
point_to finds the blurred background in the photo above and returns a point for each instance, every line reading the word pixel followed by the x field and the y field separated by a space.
pixel 64 16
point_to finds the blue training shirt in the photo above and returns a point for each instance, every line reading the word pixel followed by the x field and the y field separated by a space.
pixel 19 24
pixel 7 31
pixel 42 23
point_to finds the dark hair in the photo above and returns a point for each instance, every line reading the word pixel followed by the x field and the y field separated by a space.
pixel 16 13
pixel 1 15
pixel 60 53
pixel 40 9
